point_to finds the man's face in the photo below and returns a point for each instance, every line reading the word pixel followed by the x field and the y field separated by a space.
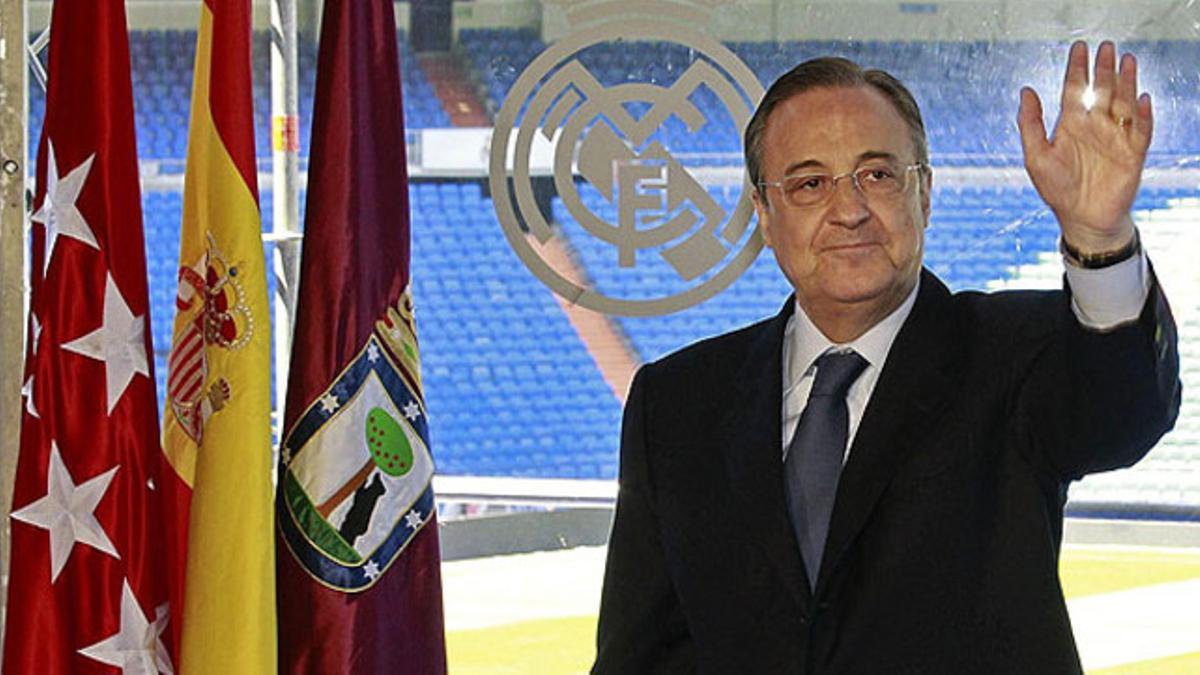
pixel 851 252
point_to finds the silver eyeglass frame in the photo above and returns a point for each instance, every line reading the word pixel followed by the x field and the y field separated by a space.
pixel 833 183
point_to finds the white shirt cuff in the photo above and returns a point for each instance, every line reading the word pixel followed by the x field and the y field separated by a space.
pixel 1105 298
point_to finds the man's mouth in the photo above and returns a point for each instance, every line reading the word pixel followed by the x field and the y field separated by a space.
pixel 851 247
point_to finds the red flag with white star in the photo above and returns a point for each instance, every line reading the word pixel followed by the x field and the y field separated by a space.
pixel 87 591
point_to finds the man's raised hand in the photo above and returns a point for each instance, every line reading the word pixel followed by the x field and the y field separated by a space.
pixel 1088 172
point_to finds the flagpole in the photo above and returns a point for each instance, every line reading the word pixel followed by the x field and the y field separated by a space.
pixel 285 144
pixel 14 121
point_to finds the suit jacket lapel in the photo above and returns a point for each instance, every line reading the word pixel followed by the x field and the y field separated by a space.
pixel 915 387
pixel 752 452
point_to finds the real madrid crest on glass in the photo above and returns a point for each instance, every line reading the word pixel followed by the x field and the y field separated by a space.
pixel 629 206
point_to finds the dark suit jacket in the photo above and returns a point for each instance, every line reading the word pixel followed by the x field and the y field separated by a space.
pixel 942 554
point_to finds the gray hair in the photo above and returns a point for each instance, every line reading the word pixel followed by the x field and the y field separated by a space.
pixel 830 71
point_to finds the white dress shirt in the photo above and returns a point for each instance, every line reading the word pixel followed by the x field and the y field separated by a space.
pixel 1102 299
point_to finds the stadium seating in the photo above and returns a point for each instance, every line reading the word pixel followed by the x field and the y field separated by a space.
pixel 967 90
pixel 511 388
pixel 162 64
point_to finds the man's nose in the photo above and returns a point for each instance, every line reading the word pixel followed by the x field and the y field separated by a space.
pixel 848 204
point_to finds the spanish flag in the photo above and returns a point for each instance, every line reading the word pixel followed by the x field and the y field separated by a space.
pixel 216 433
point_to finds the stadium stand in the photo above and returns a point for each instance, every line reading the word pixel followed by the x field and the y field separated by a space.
pixel 162 63
pixel 511 388
pixel 965 88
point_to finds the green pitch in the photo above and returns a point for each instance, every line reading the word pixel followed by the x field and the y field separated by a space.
pixel 566 645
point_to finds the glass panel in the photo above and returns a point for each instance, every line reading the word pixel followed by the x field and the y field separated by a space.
pixel 624 189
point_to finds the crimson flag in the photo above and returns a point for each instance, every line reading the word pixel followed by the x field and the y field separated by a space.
pixel 358 570
pixel 87 591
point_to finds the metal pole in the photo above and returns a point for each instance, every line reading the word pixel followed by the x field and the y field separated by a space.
pixel 285 144
pixel 14 119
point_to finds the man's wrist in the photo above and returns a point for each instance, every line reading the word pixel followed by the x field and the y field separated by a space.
pixel 1102 259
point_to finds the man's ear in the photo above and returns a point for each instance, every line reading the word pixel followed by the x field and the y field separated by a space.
pixel 761 209
pixel 926 193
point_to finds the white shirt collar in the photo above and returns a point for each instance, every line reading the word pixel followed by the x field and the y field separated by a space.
pixel 804 342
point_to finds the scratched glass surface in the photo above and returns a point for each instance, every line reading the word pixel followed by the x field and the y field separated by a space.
pixel 520 384
pixel 988 230
pixel 495 387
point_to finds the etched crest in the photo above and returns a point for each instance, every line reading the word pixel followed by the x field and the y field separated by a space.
pixel 615 165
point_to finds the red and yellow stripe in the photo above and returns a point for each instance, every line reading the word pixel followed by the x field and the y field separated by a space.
pixel 216 433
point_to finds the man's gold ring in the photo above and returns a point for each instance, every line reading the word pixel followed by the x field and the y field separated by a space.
pixel 1123 122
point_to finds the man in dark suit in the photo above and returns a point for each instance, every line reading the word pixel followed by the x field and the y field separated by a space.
pixel 873 480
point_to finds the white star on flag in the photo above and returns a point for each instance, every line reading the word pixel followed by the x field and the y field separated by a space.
pixel 162 614
pixel 58 212
pixel 371 570
pixel 330 403
pixel 27 392
pixel 137 647
pixel 412 411
pixel 67 511
pixel 414 519
pixel 120 342
pixel 35 331
pixel 372 352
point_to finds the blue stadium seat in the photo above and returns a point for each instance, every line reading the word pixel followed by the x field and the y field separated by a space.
pixel 510 387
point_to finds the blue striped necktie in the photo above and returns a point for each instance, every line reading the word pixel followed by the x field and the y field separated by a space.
pixel 814 458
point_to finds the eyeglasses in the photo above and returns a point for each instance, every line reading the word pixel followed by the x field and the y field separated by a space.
pixel 875 180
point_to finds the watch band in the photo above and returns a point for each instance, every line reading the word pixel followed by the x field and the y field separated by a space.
pixel 1095 261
